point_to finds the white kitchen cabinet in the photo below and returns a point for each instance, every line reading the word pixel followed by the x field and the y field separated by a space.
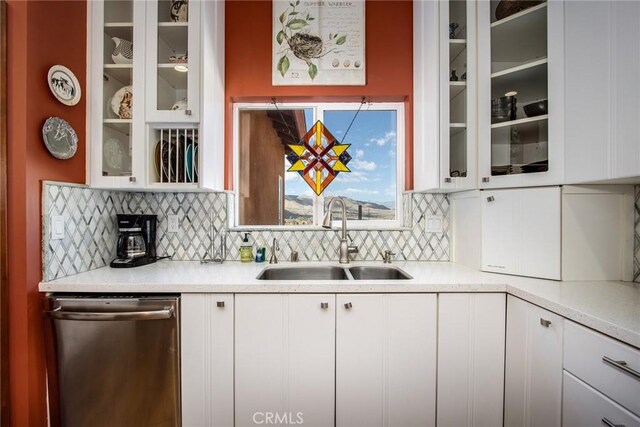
pixel 471 344
pixel 584 406
pixel 611 367
pixel 602 141
pixel 521 232
pixel 533 366
pixel 284 358
pixel 125 150
pixel 170 83
pixel 116 156
pixel 206 334
pixel 386 360
pixel 568 233
pixel 522 53
pixel 444 110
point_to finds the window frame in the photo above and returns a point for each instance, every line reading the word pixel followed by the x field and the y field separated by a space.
pixel 318 211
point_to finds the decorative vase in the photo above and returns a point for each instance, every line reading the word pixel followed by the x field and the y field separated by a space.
pixel 123 52
pixel 452 30
pixel 179 10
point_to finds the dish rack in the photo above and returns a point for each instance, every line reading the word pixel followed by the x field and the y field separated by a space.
pixel 174 155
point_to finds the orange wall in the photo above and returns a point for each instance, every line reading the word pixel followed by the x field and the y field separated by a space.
pixel 40 34
pixel 389 56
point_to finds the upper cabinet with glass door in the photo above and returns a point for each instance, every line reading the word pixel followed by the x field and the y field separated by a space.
pixel 445 95
pixel 146 63
pixel 173 61
pixel 458 94
pixel 117 93
pixel 520 93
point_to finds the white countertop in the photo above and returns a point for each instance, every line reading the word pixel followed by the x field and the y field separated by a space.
pixel 612 308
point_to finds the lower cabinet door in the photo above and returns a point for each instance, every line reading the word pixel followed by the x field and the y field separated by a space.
pixel 583 406
pixel 284 359
pixel 386 360
pixel 471 340
pixel 206 330
pixel 533 366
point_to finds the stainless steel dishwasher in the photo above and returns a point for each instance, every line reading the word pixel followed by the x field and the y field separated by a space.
pixel 117 358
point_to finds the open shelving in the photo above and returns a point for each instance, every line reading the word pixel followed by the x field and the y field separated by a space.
pixel 456 88
pixel 520 121
pixel 519 63
pixel 519 38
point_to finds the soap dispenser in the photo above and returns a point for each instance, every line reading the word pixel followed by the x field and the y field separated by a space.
pixel 246 249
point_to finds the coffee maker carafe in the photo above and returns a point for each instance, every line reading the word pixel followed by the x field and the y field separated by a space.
pixel 136 241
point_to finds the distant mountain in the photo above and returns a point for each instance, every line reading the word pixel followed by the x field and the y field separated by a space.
pixel 390 205
pixel 301 200
pixel 299 209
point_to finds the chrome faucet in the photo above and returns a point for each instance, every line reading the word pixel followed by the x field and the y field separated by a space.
pixel 273 259
pixel 345 248
pixel 386 256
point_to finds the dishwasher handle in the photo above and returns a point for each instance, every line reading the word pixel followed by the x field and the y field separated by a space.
pixel 60 314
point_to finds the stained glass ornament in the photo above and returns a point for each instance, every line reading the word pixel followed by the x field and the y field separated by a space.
pixel 318 158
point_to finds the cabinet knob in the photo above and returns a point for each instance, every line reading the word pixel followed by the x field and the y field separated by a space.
pixel 545 323
pixel 324 305
pixel 187 112
pixel 485 179
pixel 220 304
pixel 132 179
pixel 348 305
pixel 491 199
pixel 447 179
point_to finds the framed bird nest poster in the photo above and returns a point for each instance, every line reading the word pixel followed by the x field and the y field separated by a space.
pixel 318 42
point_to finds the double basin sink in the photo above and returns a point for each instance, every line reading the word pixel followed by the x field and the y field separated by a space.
pixel 333 273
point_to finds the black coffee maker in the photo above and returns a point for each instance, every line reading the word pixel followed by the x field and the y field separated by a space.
pixel 136 241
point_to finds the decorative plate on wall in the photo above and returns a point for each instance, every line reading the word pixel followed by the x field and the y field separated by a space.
pixel 60 138
pixel 64 85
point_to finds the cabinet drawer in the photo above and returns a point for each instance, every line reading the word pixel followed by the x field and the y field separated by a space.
pixel 584 356
pixel 584 406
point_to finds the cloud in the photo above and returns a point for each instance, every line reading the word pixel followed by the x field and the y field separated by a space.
pixel 353 176
pixel 361 190
pixel 291 176
pixel 359 154
pixel 388 137
pixel 364 165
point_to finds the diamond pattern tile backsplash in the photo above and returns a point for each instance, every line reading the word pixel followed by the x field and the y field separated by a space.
pixel 636 237
pixel 91 229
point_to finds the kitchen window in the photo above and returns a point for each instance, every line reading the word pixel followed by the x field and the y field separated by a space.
pixel 267 195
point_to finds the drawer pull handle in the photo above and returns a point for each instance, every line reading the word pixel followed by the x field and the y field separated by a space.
pixel 348 305
pixel 622 365
pixel 220 304
pixel 324 305
pixel 608 423
pixel 491 199
pixel 545 323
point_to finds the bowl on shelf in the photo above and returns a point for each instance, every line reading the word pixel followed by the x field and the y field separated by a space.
pixel 503 109
pixel 537 108
pixel 179 58
pixel 507 8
